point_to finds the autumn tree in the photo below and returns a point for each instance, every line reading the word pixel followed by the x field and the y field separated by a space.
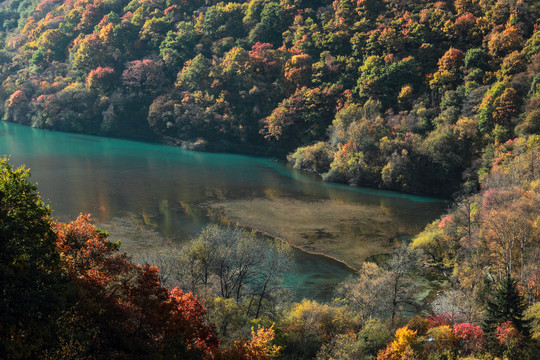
pixel 258 347
pixel 101 80
pixel 504 42
pixel 367 293
pixel 90 52
pixel 298 70
pixel 144 77
pixel 70 109
pixel 315 158
pixel 402 347
pixel 437 248
pixel 449 72
pixel 471 337
pixel 310 324
pixel 305 115
pixel 127 302
pixel 532 314
pixel 16 108
pixel 442 340
pixel 266 60
pixel 511 341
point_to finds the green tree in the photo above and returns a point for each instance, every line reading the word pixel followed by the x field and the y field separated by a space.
pixel 383 81
pixel 315 158
pixel 30 288
pixel 195 74
pixel 154 30
pixel 52 44
pixel 506 305
pixel 273 23
pixel 476 58
pixel 179 45
pixel 222 20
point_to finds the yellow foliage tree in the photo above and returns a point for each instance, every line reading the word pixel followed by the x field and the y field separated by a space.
pixel 259 347
pixel 401 348
pixel 442 337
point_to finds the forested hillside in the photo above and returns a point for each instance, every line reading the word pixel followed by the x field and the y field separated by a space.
pixel 400 95
pixel 424 97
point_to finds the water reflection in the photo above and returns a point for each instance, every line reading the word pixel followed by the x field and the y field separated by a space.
pixel 176 193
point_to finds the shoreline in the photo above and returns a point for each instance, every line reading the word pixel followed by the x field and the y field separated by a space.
pixel 235 149
pixel 296 246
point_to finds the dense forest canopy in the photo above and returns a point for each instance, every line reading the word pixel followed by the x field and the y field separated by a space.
pixel 430 97
pixel 400 95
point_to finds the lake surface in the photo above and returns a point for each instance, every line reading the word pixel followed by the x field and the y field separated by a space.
pixel 151 194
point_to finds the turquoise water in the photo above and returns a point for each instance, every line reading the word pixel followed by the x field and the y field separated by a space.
pixel 112 178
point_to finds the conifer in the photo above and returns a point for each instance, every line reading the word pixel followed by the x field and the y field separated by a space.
pixel 506 305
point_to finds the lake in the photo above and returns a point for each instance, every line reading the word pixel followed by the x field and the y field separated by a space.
pixel 150 195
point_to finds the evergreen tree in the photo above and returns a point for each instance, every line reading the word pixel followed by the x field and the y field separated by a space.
pixel 507 304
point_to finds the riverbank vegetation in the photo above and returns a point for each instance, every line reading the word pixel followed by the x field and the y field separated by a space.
pixel 398 95
pixel 465 288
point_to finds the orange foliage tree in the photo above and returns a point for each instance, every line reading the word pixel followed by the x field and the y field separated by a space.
pixel 122 308
pixel 17 104
pixel 401 348
pixel 259 347
pixel 101 79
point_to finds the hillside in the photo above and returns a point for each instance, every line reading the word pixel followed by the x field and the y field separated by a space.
pixel 424 97
pixel 398 95
pixel 71 294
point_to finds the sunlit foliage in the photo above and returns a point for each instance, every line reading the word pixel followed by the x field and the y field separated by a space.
pixel 271 76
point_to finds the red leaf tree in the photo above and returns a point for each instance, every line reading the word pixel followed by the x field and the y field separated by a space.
pixel 123 308
pixel 101 79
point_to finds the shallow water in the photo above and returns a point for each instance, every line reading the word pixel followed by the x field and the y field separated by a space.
pixel 176 192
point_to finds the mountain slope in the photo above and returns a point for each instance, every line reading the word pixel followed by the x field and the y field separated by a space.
pixel 399 95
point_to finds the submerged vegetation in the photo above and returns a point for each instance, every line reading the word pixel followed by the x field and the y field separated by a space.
pixel 397 95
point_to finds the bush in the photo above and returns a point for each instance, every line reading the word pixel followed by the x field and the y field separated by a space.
pixel 315 158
